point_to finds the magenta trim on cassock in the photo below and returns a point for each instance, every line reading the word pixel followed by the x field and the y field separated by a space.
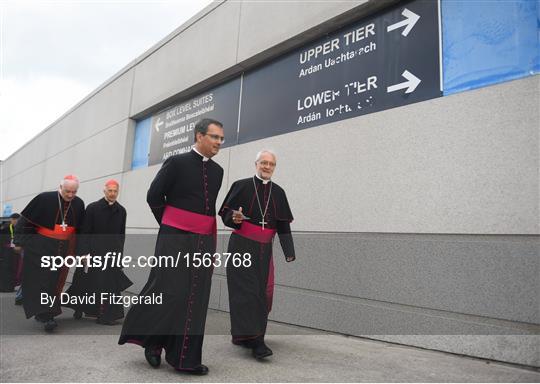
pixel 134 341
pixel 270 285
pixel 189 221
pixel 255 232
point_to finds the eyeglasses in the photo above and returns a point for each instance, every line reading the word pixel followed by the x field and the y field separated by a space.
pixel 214 137
pixel 265 163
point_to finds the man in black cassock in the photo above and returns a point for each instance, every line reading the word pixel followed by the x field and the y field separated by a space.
pixel 102 232
pixel 182 197
pixel 9 257
pixel 256 208
pixel 47 227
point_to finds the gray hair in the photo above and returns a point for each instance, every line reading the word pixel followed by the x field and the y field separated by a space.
pixel 260 153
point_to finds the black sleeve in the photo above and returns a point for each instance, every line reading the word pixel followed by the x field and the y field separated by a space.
pixel 229 204
pixel 123 231
pixel 286 239
pixel 84 241
pixel 23 231
pixel 156 196
pixel 82 214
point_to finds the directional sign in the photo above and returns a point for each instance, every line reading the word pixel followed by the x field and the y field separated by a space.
pixel 410 20
pixel 410 85
pixel 172 128
pixel 159 123
pixel 381 62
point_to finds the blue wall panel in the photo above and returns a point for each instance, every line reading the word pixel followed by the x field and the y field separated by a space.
pixel 488 42
pixel 141 146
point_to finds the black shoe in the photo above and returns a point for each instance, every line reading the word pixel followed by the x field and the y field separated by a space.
pixel 153 358
pixel 105 322
pixel 243 343
pixel 77 315
pixel 42 318
pixel 261 351
pixel 18 301
pixel 50 325
pixel 198 370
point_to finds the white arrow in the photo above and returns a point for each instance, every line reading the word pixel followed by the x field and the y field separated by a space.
pixel 410 20
pixel 159 123
pixel 411 83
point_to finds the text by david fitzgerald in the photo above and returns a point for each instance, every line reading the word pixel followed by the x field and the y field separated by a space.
pixel 102 298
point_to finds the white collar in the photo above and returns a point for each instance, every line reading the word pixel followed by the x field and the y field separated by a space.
pixel 204 158
pixel 261 179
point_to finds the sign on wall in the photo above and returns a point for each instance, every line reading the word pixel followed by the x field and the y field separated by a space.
pixel 172 129
pixel 385 61
pixel 381 62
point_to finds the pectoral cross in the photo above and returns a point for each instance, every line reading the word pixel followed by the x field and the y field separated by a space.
pixel 64 226
pixel 263 223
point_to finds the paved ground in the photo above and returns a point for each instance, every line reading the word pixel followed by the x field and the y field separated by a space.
pixel 81 351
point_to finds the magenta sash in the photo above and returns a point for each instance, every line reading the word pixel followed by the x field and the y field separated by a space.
pixel 189 221
pixel 255 232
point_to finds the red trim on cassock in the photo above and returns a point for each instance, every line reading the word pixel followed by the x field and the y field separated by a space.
pixel 57 233
pixel 61 280
pixel 64 235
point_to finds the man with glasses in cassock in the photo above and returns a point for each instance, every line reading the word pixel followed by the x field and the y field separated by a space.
pixel 182 198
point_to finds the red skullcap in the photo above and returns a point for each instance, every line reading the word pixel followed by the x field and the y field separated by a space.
pixel 112 182
pixel 71 177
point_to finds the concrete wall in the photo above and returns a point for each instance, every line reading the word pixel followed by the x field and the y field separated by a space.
pixel 411 223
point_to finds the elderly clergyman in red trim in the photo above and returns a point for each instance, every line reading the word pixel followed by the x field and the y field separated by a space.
pixel 182 197
pixel 47 227
pixel 102 233
pixel 256 208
